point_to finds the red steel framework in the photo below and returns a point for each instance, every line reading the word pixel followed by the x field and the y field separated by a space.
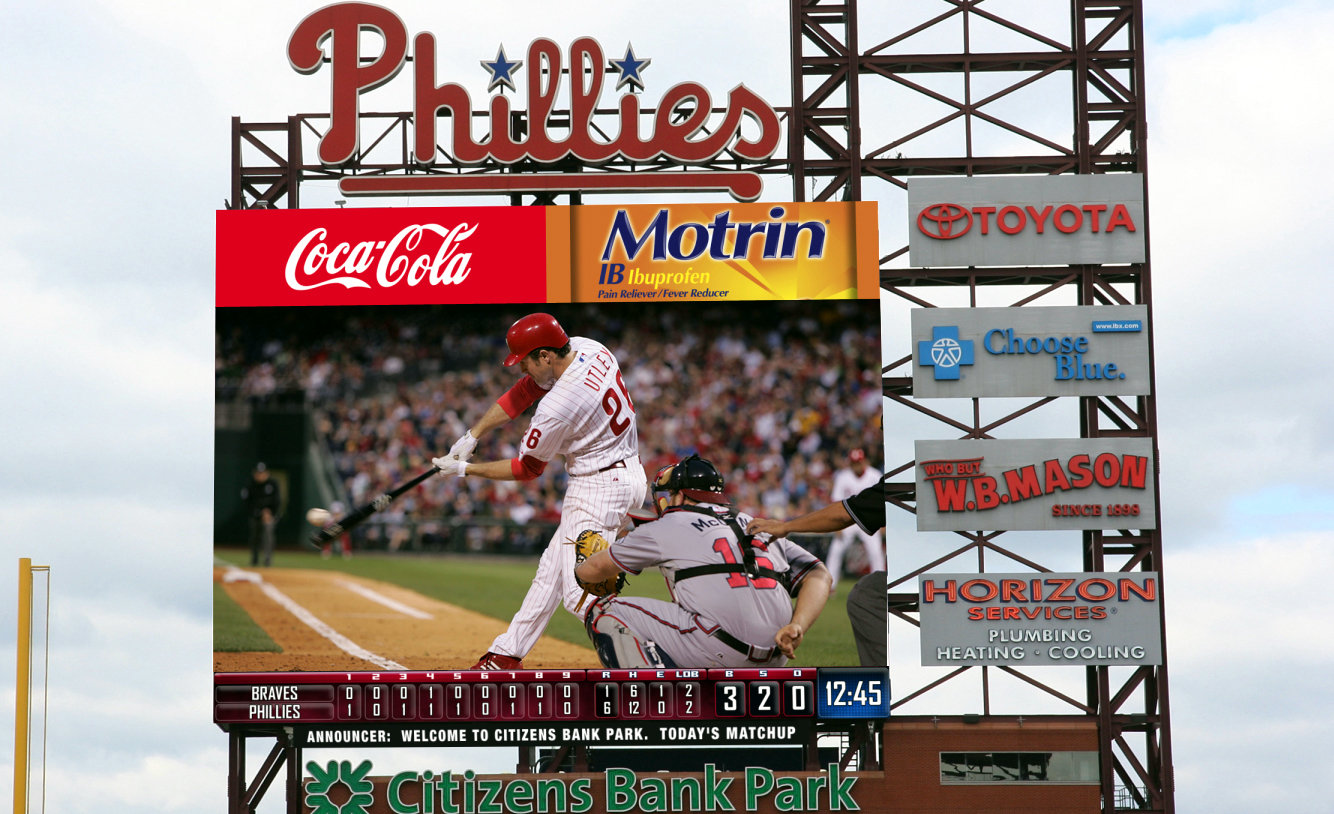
pixel 1094 56
pixel 1084 68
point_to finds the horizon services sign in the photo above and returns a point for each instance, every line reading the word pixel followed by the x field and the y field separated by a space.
pixel 1026 221
pixel 1097 350
pixel 1041 619
pixel 552 254
pixel 1035 484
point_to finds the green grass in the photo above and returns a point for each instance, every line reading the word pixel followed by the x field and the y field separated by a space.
pixel 495 587
pixel 233 629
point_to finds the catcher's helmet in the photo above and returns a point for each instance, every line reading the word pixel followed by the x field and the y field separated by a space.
pixel 693 477
pixel 532 332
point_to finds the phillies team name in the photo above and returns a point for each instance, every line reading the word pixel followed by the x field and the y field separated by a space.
pixel 691 138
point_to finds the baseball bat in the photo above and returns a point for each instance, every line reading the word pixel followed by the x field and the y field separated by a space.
pixel 358 516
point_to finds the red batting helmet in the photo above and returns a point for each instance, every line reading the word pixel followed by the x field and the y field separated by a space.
pixel 532 332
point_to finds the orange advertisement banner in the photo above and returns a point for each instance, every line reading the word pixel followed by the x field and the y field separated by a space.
pixel 719 251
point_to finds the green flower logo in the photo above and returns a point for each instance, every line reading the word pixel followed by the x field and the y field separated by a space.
pixel 328 778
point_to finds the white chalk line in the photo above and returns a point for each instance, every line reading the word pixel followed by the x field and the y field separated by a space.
pixel 392 604
pixel 314 623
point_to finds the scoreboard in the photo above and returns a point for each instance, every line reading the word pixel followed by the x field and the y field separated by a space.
pixel 524 707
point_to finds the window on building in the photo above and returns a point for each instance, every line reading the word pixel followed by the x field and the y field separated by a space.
pixel 1019 767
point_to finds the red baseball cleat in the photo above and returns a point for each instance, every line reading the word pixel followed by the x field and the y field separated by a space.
pixel 498 661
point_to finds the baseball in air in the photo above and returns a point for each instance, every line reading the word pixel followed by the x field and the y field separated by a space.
pixel 318 517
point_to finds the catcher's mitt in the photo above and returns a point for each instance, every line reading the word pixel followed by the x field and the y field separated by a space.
pixel 588 543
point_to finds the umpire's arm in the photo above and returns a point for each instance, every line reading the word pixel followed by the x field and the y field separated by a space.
pixel 812 595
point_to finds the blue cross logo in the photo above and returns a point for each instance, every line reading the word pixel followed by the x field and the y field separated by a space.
pixel 946 352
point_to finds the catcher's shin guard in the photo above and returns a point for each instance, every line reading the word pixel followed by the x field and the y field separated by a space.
pixel 618 647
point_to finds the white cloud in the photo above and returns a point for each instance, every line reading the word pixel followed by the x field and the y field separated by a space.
pixel 1238 186
pixel 165 782
pixel 1249 669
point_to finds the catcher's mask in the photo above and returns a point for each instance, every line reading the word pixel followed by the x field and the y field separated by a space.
pixel 693 476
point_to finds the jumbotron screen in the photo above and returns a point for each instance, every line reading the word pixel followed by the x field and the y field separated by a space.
pixel 401 517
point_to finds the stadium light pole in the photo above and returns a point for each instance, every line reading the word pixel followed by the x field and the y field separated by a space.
pixel 21 689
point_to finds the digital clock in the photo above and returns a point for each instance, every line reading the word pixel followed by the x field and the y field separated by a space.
pixel 853 692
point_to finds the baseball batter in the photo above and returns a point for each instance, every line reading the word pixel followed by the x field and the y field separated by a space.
pixel 848 482
pixel 585 414
pixel 732 593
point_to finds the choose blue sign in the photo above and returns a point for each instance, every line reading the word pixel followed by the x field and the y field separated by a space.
pixel 1064 351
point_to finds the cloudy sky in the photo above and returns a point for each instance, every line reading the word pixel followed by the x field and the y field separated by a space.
pixel 114 123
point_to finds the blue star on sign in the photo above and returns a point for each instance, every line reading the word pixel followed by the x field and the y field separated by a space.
pixel 945 352
pixel 502 71
pixel 629 67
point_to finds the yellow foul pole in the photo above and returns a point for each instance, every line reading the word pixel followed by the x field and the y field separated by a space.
pixel 21 688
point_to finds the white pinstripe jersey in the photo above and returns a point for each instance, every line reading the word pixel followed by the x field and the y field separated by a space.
pixel 848 483
pixel 587 415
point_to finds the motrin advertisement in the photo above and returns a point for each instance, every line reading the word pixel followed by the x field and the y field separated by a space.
pixel 995 352
pixel 1035 484
pixel 1040 619
pixel 1047 220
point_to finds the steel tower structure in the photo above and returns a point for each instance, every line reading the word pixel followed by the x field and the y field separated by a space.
pixel 993 88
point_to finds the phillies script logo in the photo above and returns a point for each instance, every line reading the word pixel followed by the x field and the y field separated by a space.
pixel 682 129
pixel 947 221
pixel 422 253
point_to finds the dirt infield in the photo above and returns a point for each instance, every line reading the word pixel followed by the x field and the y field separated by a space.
pixel 451 638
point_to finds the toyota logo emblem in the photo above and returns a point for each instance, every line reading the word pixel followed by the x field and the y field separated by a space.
pixel 944 221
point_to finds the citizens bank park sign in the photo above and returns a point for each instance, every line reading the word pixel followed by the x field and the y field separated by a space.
pixel 683 130
pixel 1038 619
pixel 1035 484
pixel 1028 221
pixel 997 352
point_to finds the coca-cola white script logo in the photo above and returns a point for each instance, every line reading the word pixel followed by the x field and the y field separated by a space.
pixel 402 259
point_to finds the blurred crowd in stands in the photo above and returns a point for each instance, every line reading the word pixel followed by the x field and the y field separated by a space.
pixel 775 394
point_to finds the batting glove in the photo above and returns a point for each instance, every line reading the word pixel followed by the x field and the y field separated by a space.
pixel 462 449
pixel 450 466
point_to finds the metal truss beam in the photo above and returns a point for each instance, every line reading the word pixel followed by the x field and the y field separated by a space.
pixel 1098 57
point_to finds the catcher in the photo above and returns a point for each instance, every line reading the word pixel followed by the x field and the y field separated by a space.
pixel 732 591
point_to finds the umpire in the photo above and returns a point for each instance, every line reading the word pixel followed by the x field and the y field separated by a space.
pixel 868 608
pixel 261 500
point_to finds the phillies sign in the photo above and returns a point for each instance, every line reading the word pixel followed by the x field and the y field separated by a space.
pixel 684 129
pixel 1047 220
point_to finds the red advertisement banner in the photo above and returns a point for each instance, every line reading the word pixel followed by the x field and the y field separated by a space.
pixel 392 256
